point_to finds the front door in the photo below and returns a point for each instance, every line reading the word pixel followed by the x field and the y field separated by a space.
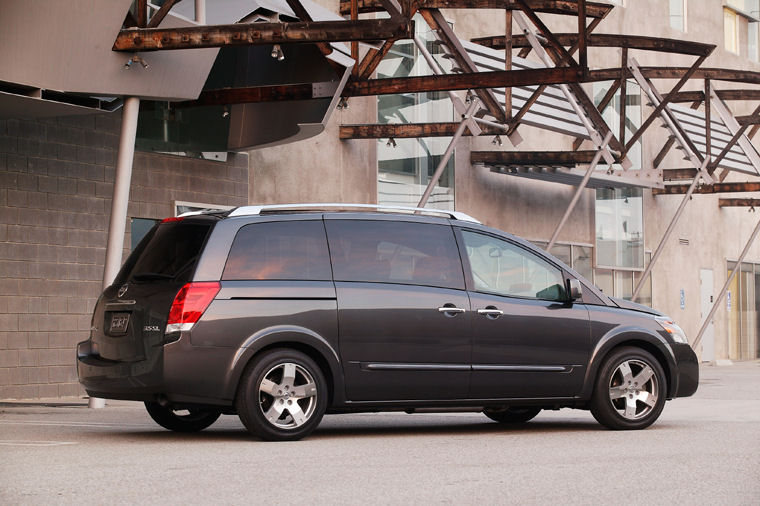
pixel 403 312
pixel 528 340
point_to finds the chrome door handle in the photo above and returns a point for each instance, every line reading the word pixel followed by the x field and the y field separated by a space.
pixel 451 309
pixel 492 313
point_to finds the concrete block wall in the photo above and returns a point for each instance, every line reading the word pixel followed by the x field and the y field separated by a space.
pixel 56 185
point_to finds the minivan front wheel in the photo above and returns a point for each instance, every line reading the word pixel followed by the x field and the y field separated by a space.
pixel 630 390
pixel 282 396
pixel 190 420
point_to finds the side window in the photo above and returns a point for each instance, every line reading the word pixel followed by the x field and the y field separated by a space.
pixel 286 250
pixel 501 267
pixel 394 252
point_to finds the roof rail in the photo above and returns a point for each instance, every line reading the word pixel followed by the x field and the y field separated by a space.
pixel 254 210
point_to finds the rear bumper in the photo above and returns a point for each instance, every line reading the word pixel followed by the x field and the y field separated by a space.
pixel 688 370
pixel 136 381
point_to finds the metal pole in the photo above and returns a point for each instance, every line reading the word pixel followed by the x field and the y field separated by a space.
pixel 200 12
pixel 447 154
pixel 723 290
pixel 120 200
pixel 581 187
pixel 437 70
pixel 670 229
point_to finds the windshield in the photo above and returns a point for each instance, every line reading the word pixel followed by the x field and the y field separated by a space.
pixel 168 252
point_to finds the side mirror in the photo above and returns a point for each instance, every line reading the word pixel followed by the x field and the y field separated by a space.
pixel 574 288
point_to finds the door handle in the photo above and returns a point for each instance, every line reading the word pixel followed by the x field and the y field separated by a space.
pixel 491 312
pixel 451 310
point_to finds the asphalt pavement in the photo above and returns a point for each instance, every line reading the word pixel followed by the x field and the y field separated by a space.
pixel 704 450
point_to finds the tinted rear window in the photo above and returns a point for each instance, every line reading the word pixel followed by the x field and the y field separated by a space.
pixel 395 252
pixel 169 252
pixel 287 250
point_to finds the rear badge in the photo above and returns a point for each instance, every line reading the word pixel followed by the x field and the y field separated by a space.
pixel 122 290
pixel 151 328
pixel 119 323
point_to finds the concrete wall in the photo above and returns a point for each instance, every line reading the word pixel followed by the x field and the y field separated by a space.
pixel 56 184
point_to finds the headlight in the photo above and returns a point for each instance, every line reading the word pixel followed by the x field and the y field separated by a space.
pixel 671 328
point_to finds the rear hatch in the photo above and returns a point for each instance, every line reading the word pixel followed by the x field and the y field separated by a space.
pixel 131 314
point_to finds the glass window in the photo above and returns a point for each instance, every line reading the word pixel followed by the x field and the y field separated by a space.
pixel 645 294
pixel 730 31
pixel 582 260
pixel 405 166
pixel 604 281
pixel 624 284
pixel 619 228
pixel 169 251
pixel 562 252
pixel 395 252
pixel 139 228
pixel 287 250
pixel 752 41
pixel 501 267
pixel 678 14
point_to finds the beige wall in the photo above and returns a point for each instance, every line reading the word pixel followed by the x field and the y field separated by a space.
pixel 328 169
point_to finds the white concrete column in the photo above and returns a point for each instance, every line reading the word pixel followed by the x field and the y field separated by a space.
pixel 122 180
pixel 200 12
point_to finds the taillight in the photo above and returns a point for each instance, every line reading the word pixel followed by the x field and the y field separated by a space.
pixel 172 219
pixel 189 304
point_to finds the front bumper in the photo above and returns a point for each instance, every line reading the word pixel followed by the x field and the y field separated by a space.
pixel 688 370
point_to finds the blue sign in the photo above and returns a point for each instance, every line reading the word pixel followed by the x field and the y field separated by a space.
pixel 683 299
pixel 728 300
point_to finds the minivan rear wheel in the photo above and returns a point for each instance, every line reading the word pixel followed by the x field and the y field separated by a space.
pixel 630 390
pixel 190 420
pixel 282 396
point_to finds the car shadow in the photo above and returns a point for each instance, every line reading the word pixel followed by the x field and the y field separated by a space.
pixel 369 429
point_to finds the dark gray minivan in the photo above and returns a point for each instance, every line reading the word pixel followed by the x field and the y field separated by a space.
pixel 283 313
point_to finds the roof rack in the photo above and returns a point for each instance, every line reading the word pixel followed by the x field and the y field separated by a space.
pixel 254 210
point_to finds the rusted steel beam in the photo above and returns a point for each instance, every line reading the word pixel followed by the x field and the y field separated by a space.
pixel 742 76
pixel 560 56
pixel 303 15
pixel 738 202
pixel 159 16
pixel 567 7
pixel 228 96
pixel 408 130
pixel 708 188
pixel 245 34
pixel 436 21
pixel 623 92
pixel 663 103
pixel 659 44
pixel 582 35
pixel 355 44
pixel 508 61
pixel 142 12
pixel 373 58
pixel 524 109
pixel 749 119
pixel 129 20
pixel 475 80
pixel 532 157
pixel 678 174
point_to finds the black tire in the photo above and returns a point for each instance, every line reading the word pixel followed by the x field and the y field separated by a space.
pixel 513 414
pixel 629 391
pixel 279 408
pixel 195 420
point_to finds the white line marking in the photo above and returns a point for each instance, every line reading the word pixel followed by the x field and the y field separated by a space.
pixel 73 424
pixel 10 442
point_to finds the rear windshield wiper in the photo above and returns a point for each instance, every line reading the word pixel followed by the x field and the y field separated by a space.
pixel 144 276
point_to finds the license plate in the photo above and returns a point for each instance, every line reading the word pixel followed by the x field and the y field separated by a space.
pixel 119 323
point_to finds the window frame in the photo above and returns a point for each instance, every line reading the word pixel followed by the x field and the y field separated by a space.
pixel 470 283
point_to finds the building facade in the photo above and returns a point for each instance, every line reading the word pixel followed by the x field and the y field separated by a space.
pixel 56 184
